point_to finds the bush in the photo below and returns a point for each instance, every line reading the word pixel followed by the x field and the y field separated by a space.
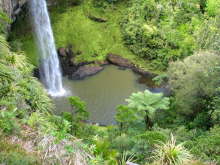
pixel 208 34
pixel 144 104
pixel 8 123
pixel 194 82
pixel 159 32
pixel 207 146
pixel 171 153
pixel 213 7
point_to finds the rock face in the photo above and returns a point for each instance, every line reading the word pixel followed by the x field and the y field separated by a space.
pixel 97 19
pixel 119 61
pixel 85 71
pixel 76 70
pixel 125 63
pixel 12 7
pixel 65 56
pixel 81 70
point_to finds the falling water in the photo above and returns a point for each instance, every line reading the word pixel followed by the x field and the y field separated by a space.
pixel 50 72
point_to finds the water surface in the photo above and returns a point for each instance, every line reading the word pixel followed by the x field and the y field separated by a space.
pixel 103 92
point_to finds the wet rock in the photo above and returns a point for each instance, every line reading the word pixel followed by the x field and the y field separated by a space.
pixel 66 57
pixel 36 73
pixel 143 72
pixel 119 61
pixel 62 52
pixel 66 52
pixel 85 71
pixel 97 19
pixel 102 63
pixel 12 7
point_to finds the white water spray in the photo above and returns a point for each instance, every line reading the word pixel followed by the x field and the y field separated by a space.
pixel 50 71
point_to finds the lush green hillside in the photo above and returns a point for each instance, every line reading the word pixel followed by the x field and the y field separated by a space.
pixel 178 37
pixel 149 33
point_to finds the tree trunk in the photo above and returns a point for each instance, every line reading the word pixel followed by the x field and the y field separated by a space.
pixel 202 5
pixel 148 122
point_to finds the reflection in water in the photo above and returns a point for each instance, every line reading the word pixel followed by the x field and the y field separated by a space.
pixel 102 93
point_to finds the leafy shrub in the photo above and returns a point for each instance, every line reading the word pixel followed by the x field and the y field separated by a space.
pixel 18 88
pixel 104 3
pixel 194 82
pixel 54 125
pixel 207 146
pixel 8 123
pixel 207 35
pixel 145 104
pixel 171 153
pixel 78 116
pixel 79 107
pixel 160 32
pixel 213 7
pixel 125 116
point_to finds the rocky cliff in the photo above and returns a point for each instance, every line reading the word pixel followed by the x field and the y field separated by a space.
pixel 12 7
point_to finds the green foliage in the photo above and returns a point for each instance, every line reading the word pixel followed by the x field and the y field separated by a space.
pixel 103 148
pixel 93 40
pixel 160 32
pixel 79 107
pixel 207 146
pixel 155 32
pixel 125 116
pixel 18 88
pixel 4 21
pixel 138 144
pixel 213 7
pixel 8 123
pixel 146 103
pixel 50 124
pixel 195 81
pixel 171 154
pixel 78 116
pixel 208 33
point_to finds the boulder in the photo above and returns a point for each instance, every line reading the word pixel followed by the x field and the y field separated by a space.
pixel 66 52
pixel 97 19
pixel 102 63
pixel 119 61
pixel 66 57
pixel 84 71
pixel 62 52
pixel 143 72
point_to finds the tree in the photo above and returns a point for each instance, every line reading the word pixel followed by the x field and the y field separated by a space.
pixel 78 115
pixel 146 103
pixel 125 116
pixel 194 82
pixel 80 108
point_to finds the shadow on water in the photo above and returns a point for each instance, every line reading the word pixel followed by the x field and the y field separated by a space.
pixel 104 91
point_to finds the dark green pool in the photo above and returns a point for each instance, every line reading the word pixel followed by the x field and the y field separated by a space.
pixel 103 92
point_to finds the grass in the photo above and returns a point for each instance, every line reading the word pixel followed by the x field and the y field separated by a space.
pixel 71 25
pixel 95 40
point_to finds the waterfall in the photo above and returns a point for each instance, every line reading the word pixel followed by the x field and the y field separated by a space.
pixel 50 72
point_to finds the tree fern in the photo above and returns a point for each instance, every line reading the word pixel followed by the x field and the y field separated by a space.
pixel 146 103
